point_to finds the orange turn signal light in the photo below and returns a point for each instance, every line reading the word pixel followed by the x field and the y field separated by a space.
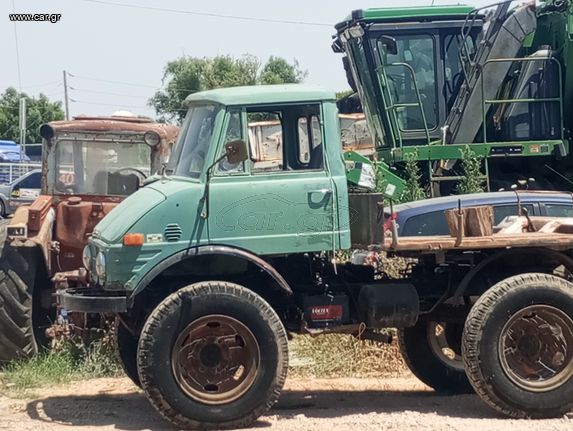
pixel 133 239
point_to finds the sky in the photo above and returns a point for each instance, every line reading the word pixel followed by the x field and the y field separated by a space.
pixel 115 55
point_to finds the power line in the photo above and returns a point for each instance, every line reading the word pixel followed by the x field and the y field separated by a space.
pixel 107 93
pixel 213 15
pixel 111 81
pixel 109 104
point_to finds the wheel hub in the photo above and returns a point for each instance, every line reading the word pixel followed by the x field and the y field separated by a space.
pixel 445 341
pixel 215 359
pixel 536 348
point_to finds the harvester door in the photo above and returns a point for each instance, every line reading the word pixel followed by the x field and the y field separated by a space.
pixel 281 198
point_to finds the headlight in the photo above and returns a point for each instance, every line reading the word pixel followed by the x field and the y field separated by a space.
pixel 87 257
pixel 151 138
pixel 100 265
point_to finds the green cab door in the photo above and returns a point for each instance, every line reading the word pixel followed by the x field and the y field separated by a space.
pixel 281 199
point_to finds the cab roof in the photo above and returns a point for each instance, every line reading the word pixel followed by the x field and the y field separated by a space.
pixel 262 95
pixel 422 13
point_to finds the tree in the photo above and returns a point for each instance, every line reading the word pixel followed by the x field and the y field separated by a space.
pixel 39 109
pixel 413 190
pixel 279 71
pixel 188 75
pixel 473 178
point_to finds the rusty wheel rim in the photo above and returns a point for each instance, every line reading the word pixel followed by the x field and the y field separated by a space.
pixel 215 359
pixel 536 348
pixel 442 339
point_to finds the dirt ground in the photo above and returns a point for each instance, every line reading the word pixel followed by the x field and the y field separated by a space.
pixel 306 404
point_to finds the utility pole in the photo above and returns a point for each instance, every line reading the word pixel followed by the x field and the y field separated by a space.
pixel 22 121
pixel 66 101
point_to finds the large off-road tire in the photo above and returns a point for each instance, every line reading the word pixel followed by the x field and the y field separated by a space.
pixel 213 355
pixel 432 351
pixel 518 346
pixel 23 318
pixel 127 350
pixel 17 338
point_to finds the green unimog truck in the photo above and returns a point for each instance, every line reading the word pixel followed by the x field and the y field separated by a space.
pixel 210 265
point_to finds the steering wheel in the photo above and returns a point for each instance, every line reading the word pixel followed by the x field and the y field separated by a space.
pixel 137 171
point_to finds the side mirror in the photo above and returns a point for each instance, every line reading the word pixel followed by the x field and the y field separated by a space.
pixel 389 43
pixel 236 151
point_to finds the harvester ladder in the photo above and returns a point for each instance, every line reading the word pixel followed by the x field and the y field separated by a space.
pixel 472 68
pixel 436 179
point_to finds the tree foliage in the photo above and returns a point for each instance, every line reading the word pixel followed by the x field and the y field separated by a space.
pixel 413 190
pixel 39 110
pixel 472 181
pixel 187 75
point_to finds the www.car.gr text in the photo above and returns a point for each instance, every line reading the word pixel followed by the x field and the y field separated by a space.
pixel 51 17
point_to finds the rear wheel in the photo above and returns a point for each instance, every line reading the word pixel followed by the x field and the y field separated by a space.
pixel 518 346
pixel 432 351
pixel 213 355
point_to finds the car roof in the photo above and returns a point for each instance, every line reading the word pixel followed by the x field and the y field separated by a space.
pixel 262 94
pixel 492 198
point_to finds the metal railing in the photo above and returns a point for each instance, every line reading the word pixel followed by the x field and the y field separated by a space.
pixel 11 171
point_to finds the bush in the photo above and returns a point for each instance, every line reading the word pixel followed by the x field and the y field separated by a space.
pixel 413 190
pixel 472 181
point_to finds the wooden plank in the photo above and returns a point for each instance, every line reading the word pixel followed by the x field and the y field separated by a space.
pixel 443 243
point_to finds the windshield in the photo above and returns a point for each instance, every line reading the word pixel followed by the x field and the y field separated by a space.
pixel 100 168
pixel 194 140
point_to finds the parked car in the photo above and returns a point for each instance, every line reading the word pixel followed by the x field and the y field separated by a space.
pixel 426 217
pixel 22 190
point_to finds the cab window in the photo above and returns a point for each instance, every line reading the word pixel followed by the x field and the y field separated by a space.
pixel 415 53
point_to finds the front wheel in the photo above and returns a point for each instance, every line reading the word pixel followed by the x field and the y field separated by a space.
pixel 213 355
pixel 518 346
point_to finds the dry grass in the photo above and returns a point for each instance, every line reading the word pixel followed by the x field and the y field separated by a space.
pixel 336 355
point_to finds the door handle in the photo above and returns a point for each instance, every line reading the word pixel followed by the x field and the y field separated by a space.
pixel 323 192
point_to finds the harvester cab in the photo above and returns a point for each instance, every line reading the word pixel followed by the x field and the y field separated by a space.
pixel 435 80
pixel 89 165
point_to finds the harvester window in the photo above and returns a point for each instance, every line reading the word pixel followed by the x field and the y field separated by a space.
pixel 415 53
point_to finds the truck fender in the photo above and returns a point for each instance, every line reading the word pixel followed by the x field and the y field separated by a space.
pixel 206 250
pixel 545 254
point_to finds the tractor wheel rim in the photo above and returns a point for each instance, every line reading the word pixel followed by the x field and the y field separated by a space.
pixel 440 336
pixel 215 359
pixel 536 348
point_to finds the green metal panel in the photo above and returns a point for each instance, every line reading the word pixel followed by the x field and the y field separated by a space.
pixel 437 151
pixel 410 13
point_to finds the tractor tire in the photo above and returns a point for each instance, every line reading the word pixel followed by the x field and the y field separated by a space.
pixel 16 329
pixel 432 351
pixel 213 355
pixel 23 320
pixel 127 350
pixel 518 346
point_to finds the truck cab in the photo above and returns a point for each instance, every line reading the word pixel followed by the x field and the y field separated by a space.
pixel 296 204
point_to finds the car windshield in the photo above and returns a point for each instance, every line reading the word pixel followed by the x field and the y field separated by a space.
pixel 194 140
pixel 100 167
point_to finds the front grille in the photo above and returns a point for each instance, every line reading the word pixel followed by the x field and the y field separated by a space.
pixel 172 232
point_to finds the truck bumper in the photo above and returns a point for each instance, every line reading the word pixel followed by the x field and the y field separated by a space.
pixel 92 300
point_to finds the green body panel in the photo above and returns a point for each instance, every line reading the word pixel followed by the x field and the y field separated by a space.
pixel 436 151
pixel 412 13
pixel 265 213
